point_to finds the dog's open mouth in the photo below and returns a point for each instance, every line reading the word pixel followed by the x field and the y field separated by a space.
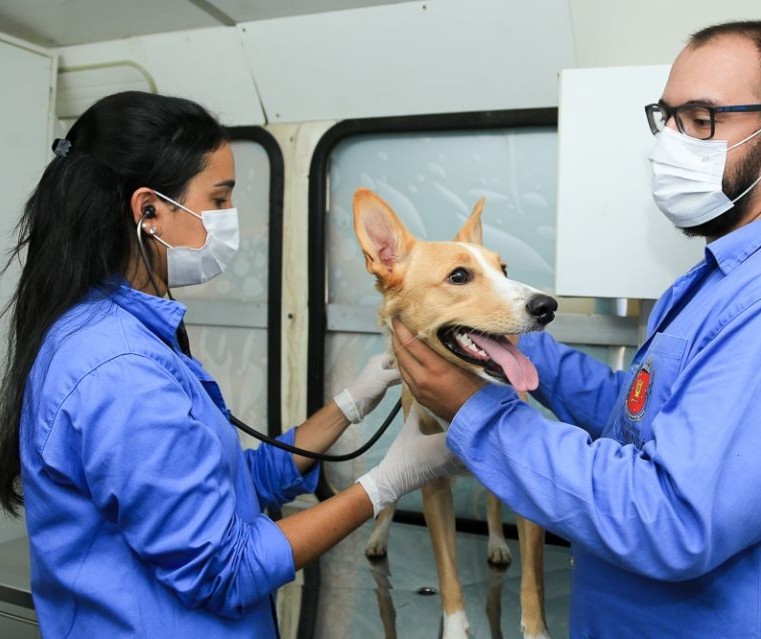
pixel 499 358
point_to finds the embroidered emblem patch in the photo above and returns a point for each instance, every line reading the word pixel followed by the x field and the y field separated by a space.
pixel 639 392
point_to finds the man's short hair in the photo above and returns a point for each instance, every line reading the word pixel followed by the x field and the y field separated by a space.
pixel 749 29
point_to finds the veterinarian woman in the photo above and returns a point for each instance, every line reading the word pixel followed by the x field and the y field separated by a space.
pixel 144 514
pixel 653 473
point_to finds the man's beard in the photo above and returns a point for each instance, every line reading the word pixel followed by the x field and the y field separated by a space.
pixel 733 184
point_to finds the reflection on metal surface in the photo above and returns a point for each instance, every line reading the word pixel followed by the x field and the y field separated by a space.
pixel 381 573
pixel 361 599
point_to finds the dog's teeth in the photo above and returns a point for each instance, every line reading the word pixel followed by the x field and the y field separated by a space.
pixel 468 344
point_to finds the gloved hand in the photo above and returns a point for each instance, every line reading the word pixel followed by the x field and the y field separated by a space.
pixel 358 399
pixel 412 460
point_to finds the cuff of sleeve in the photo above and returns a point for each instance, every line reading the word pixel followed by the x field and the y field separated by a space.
pixel 272 544
pixel 476 413
pixel 346 405
pixel 297 484
pixel 371 488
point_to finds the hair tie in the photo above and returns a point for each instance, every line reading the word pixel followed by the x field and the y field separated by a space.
pixel 61 147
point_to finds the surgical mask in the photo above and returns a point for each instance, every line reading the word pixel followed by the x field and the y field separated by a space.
pixel 687 177
pixel 187 266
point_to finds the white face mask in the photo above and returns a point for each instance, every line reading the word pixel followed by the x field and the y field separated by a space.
pixel 687 176
pixel 187 266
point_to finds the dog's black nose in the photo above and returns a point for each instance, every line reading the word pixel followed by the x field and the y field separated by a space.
pixel 542 308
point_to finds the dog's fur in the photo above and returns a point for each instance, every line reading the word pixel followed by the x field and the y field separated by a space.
pixel 438 289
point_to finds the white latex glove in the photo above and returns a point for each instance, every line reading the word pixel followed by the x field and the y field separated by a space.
pixel 412 460
pixel 359 398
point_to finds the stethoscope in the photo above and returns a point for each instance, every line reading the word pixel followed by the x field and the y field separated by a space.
pixel 184 344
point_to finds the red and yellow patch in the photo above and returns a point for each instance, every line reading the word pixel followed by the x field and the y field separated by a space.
pixel 638 393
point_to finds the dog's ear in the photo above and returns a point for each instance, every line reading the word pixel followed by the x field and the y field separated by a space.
pixel 385 241
pixel 471 230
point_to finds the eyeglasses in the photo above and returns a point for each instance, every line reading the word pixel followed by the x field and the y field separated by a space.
pixel 696 120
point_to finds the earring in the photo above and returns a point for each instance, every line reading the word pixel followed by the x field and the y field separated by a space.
pixel 153 230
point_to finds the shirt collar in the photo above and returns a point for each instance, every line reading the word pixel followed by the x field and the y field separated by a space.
pixel 732 249
pixel 160 315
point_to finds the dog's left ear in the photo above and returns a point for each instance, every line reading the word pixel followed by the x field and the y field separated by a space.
pixel 385 241
pixel 471 230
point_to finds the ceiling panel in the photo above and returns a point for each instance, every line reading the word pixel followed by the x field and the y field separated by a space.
pixel 418 57
pixel 247 10
pixel 65 22
pixel 55 23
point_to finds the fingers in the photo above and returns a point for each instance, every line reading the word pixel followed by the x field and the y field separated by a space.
pixel 410 353
pixel 408 343
pixel 439 385
pixel 404 359
pixel 386 360
pixel 385 370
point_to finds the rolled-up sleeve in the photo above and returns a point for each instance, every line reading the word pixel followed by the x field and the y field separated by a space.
pixel 275 475
pixel 165 479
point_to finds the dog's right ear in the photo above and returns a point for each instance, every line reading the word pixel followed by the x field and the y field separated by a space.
pixel 385 241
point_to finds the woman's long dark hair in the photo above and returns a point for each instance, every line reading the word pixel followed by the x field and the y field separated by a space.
pixel 78 230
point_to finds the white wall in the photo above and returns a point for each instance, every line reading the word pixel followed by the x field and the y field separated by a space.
pixel 403 58
pixel 413 57
pixel 28 75
pixel 645 32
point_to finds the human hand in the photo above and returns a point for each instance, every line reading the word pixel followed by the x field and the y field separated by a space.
pixel 435 383
pixel 361 397
pixel 413 459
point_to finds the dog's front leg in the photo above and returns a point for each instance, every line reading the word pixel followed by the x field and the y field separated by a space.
pixel 499 551
pixel 377 545
pixel 531 542
pixel 438 505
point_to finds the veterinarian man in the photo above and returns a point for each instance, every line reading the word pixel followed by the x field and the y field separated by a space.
pixel 653 473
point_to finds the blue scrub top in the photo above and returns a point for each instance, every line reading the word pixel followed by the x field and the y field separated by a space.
pixel 145 516
pixel 652 473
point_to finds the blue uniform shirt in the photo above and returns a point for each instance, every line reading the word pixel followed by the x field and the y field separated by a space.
pixel 653 473
pixel 144 514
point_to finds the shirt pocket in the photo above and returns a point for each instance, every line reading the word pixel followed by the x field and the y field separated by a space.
pixel 652 377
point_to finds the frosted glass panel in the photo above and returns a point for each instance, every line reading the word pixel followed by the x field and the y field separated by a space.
pixel 237 356
pixel 433 182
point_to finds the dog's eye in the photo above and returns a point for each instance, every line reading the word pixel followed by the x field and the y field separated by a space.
pixel 459 276
pixel 504 269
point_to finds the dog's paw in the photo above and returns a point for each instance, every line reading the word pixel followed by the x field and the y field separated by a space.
pixel 456 626
pixel 376 550
pixel 499 553
pixel 377 545
pixel 538 631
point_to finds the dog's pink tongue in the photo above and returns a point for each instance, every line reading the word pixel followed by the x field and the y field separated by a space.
pixel 516 366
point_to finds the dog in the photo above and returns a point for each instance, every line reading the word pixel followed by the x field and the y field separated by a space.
pixel 456 298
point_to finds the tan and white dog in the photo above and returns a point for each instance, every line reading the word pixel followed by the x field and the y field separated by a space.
pixel 456 298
